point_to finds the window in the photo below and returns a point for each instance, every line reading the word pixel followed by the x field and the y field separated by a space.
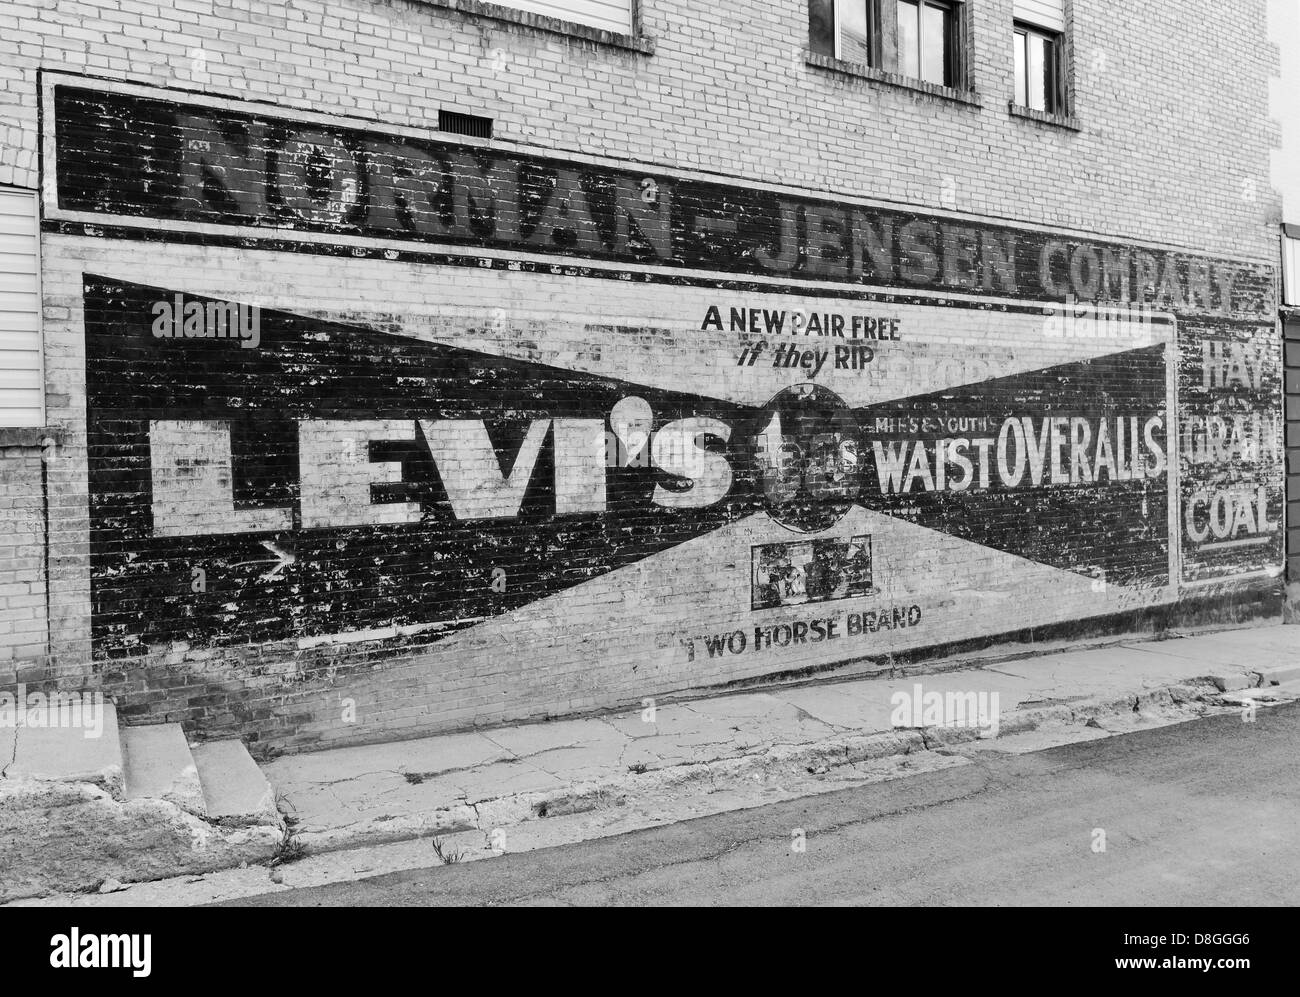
pixel 1291 271
pixel 1038 69
pixel 927 41
pixel 1038 37
pixel 845 29
pixel 919 39
pixel 608 15
pixel 22 392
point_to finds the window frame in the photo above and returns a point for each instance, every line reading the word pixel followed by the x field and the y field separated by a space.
pixel 883 45
pixel 501 10
pixel 875 53
pixel 1055 91
pixel 874 48
pixel 526 8
pixel 950 76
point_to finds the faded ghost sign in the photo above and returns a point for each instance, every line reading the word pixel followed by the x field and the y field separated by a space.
pixel 680 409
pixel 127 155
pixel 393 477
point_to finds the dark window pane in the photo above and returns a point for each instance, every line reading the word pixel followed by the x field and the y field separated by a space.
pixel 854 44
pixel 1052 76
pixel 909 38
pixel 821 26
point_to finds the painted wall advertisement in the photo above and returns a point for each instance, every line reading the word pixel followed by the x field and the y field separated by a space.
pixel 465 390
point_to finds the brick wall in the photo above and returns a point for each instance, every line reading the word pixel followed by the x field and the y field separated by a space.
pixel 22 569
pixel 503 430
pixel 727 89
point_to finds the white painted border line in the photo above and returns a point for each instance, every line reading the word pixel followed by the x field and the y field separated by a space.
pixel 548 264
pixel 1246 542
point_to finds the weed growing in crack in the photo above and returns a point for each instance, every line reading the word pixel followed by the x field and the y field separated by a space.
pixel 447 856
pixel 290 849
pixel 286 808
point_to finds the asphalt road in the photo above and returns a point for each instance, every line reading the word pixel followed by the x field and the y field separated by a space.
pixel 1204 813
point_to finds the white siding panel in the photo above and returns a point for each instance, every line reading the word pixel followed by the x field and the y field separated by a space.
pixel 1048 14
pixel 21 390
pixel 24 263
pixel 11 243
pixel 19 306
pixel 16 407
pixel 610 15
pixel 11 350
pixel 19 283
pixel 28 342
pixel 26 380
pixel 18 324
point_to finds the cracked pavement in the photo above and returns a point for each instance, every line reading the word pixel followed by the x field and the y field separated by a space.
pixel 483 780
pixel 1187 821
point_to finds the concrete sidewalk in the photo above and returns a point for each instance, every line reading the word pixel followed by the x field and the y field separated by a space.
pixel 365 811
pixel 490 789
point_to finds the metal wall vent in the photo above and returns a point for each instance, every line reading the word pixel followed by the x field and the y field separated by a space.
pixel 464 124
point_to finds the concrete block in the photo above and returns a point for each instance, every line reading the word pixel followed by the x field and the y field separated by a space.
pixel 74 836
pixel 157 764
pixel 1278 674
pixel 234 789
pixel 1284 692
pixel 1233 682
pixel 70 753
